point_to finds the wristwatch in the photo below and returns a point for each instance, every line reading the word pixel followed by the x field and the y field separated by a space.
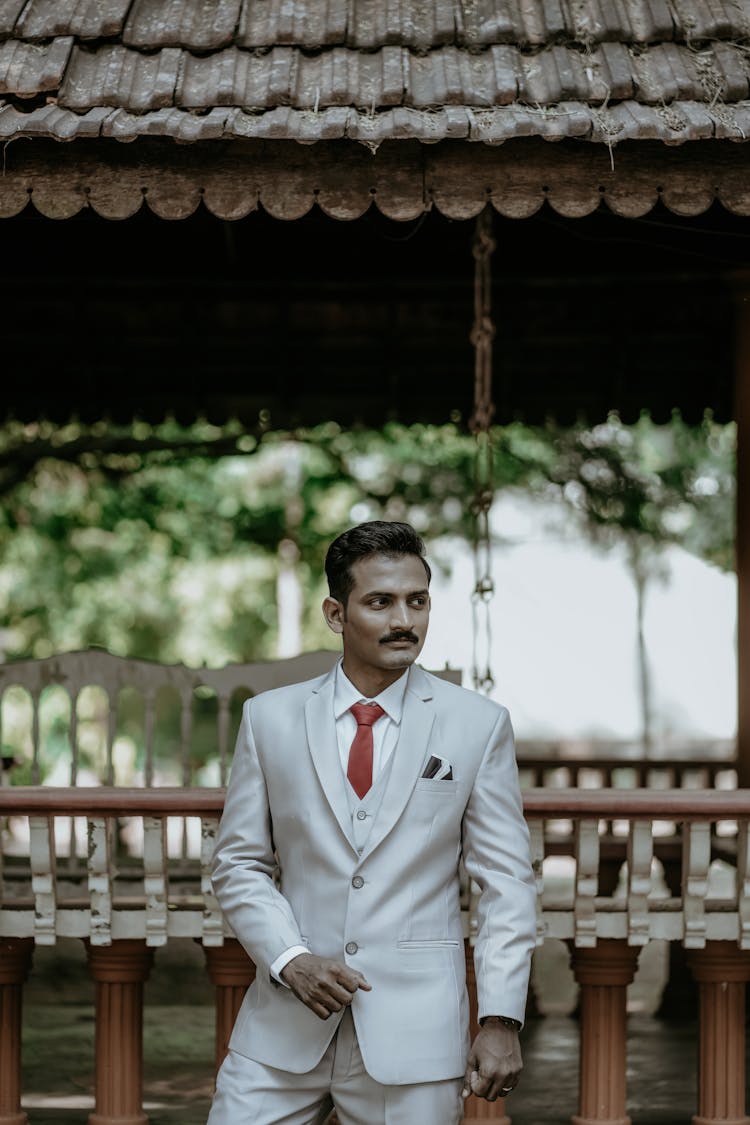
pixel 514 1024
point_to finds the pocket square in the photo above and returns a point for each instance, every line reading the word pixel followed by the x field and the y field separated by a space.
pixel 438 769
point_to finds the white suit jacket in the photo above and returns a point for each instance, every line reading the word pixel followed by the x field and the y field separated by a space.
pixel 287 805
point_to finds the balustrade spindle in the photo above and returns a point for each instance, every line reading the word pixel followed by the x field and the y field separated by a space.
pixel 696 860
pixel 212 931
pixel 536 847
pixel 640 859
pixel 100 879
pixel 587 882
pixel 155 879
pixel 43 878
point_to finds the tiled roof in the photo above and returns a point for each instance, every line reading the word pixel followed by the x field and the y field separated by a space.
pixel 374 70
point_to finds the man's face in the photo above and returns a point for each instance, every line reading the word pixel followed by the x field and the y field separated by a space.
pixel 384 623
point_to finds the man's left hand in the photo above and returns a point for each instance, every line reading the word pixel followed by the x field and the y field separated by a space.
pixel 494 1065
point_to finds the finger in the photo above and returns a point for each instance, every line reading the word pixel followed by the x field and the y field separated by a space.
pixel 494 1092
pixel 321 1012
pixel 351 979
pixel 467 1082
pixel 479 1085
pixel 333 992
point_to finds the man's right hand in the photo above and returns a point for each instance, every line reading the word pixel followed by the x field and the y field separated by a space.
pixel 324 985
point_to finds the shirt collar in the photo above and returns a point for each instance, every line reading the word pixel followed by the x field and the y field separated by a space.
pixel 391 699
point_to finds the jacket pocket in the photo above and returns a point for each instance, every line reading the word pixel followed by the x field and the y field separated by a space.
pixel 441 788
pixel 437 943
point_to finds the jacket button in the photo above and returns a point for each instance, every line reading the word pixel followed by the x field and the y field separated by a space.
pixel 358 882
pixel 361 815
pixel 351 947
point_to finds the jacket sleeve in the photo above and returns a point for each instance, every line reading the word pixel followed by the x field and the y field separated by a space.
pixel 244 862
pixel 497 858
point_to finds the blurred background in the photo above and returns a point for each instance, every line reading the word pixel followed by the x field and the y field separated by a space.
pixel 614 608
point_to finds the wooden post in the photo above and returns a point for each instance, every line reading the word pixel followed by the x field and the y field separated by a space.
pixel 722 970
pixel 477 1109
pixel 603 972
pixel 232 972
pixel 119 970
pixel 742 416
pixel 15 960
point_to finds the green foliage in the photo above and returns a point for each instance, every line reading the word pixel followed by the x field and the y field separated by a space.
pixel 163 542
pixel 656 484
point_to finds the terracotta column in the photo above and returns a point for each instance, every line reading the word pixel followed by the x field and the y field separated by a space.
pixel 15 961
pixel 603 973
pixel 119 971
pixel 232 972
pixel 722 970
pixel 477 1109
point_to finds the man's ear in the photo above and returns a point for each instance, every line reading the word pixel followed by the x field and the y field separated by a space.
pixel 335 614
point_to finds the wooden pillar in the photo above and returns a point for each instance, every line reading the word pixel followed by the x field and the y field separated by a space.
pixel 722 970
pixel 119 971
pixel 15 961
pixel 232 972
pixel 603 973
pixel 477 1109
pixel 742 416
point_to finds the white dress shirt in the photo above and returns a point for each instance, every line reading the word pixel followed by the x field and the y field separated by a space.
pixel 384 738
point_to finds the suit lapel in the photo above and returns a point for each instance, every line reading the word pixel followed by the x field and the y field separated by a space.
pixel 323 745
pixel 413 739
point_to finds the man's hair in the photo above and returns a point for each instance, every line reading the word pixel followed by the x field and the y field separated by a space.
pixel 379 537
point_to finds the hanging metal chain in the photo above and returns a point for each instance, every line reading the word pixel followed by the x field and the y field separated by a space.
pixel 482 336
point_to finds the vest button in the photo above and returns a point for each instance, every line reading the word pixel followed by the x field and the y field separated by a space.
pixel 358 882
pixel 351 947
pixel 361 815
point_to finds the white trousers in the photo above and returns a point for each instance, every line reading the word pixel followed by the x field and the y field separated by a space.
pixel 250 1093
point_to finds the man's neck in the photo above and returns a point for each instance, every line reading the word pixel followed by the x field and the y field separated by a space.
pixel 370 682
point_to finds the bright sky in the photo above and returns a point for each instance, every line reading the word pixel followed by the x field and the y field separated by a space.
pixel 564 625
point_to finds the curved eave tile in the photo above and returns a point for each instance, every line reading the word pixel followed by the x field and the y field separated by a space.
pixel 628 121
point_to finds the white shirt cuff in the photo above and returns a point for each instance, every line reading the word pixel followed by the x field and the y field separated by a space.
pixel 282 961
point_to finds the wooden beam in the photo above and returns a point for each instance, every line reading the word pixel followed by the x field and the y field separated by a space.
pixel 742 414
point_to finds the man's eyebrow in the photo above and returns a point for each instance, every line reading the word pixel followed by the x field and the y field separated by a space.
pixel 394 593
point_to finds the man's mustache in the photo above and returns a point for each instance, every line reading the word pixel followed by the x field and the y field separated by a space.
pixel 407 636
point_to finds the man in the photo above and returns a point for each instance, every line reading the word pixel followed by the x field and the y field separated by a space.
pixel 352 800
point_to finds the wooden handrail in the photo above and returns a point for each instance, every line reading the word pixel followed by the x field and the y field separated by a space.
pixel 659 804
pixel 604 804
pixel 41 800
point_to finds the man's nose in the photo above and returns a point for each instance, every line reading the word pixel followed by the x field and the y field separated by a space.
pixel 401 617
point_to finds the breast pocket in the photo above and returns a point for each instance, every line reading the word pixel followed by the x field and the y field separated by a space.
pixel 435 803
pixel 429 785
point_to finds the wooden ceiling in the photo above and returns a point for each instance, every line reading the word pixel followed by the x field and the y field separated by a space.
pixel 365 321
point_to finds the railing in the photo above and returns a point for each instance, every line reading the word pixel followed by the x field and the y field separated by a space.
pixel 124 905
pixel 91 716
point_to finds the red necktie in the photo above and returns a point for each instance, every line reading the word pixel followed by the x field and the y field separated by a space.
pixel 359 770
